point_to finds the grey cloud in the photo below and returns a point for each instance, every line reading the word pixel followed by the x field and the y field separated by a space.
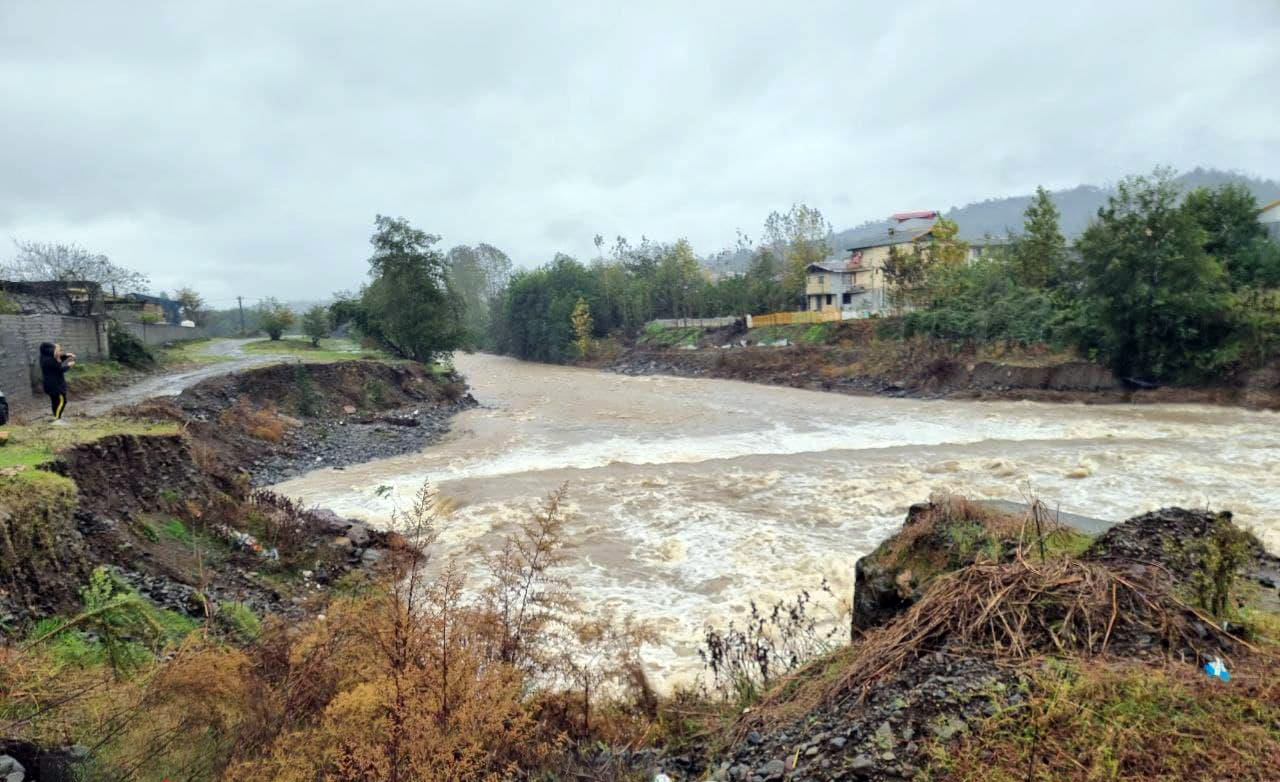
pixel 245 147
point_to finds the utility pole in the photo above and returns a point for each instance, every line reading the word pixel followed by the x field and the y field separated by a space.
pixel 240 301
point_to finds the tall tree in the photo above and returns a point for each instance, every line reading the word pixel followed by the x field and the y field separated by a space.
pixel 799 237
pixel 409 305
pixel 1158 297
pixel 69 263
pixel 496 267
pixel 914 273
pixel 582 326
pixel 1040 254
pixel 468 278
pixel 192 305
pixel 1228 215
pixel 677 281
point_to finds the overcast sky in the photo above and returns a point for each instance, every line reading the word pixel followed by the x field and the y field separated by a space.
pixel 245 147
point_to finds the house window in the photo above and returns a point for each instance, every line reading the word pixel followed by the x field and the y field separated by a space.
pixel 830 298
pixel 847 298
pixel 820 278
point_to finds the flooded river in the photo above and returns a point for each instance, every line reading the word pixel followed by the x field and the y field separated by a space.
pixel 691 497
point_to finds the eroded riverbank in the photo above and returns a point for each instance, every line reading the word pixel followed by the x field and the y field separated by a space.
pixel 692 497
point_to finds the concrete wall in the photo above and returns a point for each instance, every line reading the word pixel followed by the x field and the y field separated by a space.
pixel 20 338
pixel 706 323
pixel 15 372
pixel 160 333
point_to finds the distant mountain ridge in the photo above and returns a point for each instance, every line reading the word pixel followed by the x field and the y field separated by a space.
pixel 998 217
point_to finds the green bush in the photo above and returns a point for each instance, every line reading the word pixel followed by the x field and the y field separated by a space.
pixel 241 620
pixel 983 302
pixel 128 349
pixel 308 398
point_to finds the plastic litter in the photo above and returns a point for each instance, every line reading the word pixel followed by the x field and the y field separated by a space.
pixel 1217 670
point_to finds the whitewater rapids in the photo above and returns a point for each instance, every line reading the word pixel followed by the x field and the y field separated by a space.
pixel 690 497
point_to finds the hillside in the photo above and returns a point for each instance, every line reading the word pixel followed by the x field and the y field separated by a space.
pixel 1000 216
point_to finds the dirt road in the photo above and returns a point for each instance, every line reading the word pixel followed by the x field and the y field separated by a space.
pixel 230 357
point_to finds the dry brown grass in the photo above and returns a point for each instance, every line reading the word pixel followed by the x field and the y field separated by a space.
pixel 1011 611
pixel 260 423
pixel 1127 721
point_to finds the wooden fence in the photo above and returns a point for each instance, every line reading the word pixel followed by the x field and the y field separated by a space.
pixel 792 318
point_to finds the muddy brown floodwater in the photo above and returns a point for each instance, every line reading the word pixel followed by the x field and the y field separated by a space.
pixel 692 497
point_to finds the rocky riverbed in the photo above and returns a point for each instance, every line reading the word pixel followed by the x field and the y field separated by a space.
pixel 354 438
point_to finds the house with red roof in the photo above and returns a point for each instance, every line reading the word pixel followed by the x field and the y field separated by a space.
pixel 855 283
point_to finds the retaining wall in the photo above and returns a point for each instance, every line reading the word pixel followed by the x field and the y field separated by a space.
pixel 706 323
pixel 20 338
pixel 160 333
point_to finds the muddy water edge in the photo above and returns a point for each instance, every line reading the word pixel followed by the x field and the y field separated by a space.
pixel 692 497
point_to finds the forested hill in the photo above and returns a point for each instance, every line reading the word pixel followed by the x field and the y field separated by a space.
pixel 1000 216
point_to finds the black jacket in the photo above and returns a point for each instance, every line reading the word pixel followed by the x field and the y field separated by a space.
pixel 53 370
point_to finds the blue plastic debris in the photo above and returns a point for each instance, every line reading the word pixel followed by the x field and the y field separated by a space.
pixel 1217 670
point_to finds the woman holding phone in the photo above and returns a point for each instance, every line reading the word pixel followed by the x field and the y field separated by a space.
pixel 53 369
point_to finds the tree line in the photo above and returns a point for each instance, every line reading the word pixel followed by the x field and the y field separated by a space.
pixel 421 302
pixel 1162 286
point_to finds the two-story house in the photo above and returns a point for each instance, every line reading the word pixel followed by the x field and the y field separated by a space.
pixel 856 282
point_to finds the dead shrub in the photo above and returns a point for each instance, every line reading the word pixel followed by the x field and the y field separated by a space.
pixel 745 661
pixel 526 600
pixel 278 522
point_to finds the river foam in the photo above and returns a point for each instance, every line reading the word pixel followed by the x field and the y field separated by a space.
pixel 691 498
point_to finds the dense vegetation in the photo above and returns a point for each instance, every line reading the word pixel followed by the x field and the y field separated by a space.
pixel 410 306
pixel 1162 288
pixel 638 283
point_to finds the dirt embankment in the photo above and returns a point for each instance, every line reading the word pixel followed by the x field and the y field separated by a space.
pixel 279 421
pixel 176 516
pixel 956 614
pixel 922 371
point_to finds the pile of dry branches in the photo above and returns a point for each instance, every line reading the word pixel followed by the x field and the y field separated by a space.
pixel 1022 608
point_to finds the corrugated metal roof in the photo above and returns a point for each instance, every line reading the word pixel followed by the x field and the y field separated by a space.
pixel 837 266
pixel 891 231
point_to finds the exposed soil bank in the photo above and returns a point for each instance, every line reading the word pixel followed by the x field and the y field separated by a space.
pixel 175 515
pixel 280 421
pixel 923 373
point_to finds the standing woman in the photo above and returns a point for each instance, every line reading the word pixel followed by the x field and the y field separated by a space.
pixel 53 366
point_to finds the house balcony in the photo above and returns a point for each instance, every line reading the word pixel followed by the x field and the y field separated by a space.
pixel 815 288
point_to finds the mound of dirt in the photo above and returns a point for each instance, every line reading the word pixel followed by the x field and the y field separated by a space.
pixel 939 654
pixel 272 423
pixel 1175 539
pixel 323 390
